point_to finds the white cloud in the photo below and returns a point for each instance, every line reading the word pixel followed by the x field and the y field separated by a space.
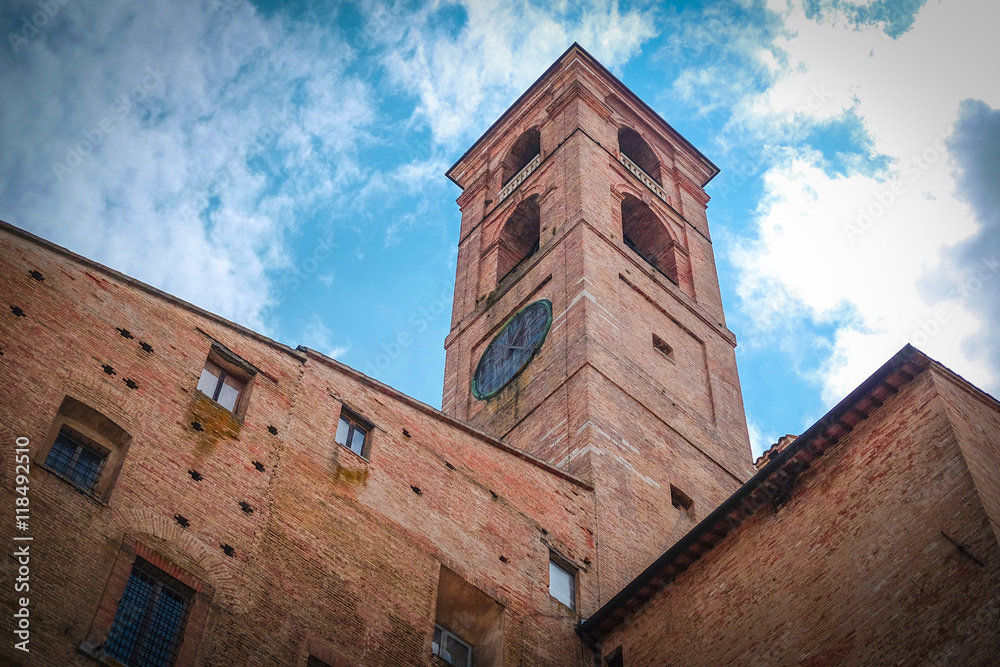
pixel 852 250
pixel 317 336
pixel 419 173
pixel 464 79
pixel 759 441
pixel 233 130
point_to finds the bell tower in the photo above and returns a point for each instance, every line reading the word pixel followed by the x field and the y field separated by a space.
pixel 582 200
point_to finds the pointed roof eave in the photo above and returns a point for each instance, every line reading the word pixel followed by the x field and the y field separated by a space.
pixel 575 48
pixel 770 483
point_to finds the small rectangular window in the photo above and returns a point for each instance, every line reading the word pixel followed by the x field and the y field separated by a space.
pixel 149 624
pixel 663 348
pixel 77 459
pixel 451 648
pixel 352 432
pixel 221 386
pixel 681 500
pixel 562 583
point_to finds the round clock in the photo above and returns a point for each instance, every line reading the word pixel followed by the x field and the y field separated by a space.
pixel 512 349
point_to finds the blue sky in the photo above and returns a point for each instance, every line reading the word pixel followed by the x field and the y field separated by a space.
pixel 282 164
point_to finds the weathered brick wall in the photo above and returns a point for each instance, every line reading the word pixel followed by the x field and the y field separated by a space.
pixel 68 333
pixel 580 184
pixel 637 459
pixel 855 568
pixel 353 550
pixel 598 399
pixel 976 421
pixel 339 557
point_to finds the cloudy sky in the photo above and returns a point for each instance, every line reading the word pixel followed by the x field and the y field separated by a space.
pixel 282 164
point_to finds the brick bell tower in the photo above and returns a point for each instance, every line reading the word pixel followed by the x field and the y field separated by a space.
pixel 587 326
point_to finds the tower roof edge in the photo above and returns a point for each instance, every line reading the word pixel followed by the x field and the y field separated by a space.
pixel 563 60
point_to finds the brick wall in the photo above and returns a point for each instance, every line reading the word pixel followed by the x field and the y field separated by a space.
pixel 598 399
pixel 860 566
pixel 337 556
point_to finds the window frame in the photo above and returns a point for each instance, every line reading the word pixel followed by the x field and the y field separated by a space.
pixel 220 382
pixel 561 564
pixel 473 616
pixel 355 423
pixel 117 580
pixel 437 647
pixel 162 584
pixel 82 443
pixel 664 348
pixel 230 365
pixel 94 430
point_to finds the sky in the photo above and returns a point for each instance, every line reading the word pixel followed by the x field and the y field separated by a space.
pixel 282 165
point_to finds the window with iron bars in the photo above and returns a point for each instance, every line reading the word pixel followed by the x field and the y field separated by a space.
pixel 149 624
pixel 74 458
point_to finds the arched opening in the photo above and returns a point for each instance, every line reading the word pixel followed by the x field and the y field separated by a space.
pixel 643 232
pixel 519 237
pixel 635 148
pixel 527 146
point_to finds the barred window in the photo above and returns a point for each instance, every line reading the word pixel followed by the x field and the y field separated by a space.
pixel 85 449
pixel 77 459
pixel 149 624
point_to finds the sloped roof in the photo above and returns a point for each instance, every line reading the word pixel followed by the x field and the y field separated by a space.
pixel 771 484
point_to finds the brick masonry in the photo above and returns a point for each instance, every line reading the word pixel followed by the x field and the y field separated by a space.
pixel 884 553
pixel 598 399
pixel 339 553
pixel 296 546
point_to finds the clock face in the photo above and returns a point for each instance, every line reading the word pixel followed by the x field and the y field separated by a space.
pixel 512 349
